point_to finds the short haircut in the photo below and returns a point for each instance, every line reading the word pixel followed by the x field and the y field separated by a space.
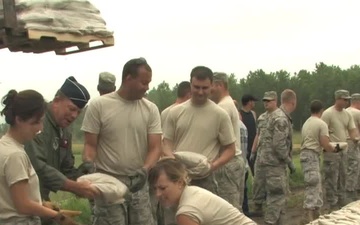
pixel 221 77
pixel 316 106
pixel 132 66
pixel 288 95
pixel 202 73
pixel 183 89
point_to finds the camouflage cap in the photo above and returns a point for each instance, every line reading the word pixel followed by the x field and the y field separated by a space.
pixel 342 94
pixel 355 96
pixel 106 80
pixel 221 77
pixel 270 95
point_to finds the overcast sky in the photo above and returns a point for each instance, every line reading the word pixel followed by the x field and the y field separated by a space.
pixel 233 36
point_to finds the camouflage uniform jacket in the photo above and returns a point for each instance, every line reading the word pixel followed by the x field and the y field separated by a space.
pixel 51 155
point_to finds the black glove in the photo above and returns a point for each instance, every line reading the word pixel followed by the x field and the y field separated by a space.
pixel 291 167
pixel 86 168
pixel 337 148
pixel 138 180
pixel 252 157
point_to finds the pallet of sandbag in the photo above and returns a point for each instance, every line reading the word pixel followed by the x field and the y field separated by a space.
pixel 36 41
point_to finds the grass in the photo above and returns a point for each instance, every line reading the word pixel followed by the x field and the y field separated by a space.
pixel 69 201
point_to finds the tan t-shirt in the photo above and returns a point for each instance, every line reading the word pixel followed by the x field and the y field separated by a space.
pixel 122 127
pixel 164 114
pixel 312 130
pixel 201 129
pixel 227 103
pixel 15 166
pixel 339 123
pixel 356 116
pixel 208 209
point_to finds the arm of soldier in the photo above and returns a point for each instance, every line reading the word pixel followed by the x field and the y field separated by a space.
pixel 279 142
pixel 324 139
pixel 17 171
pixel 90 144
pixel 169 135
pixel 154 139
pixel 227 140
pixel 52 179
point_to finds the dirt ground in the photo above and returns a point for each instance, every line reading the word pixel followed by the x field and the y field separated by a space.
pixel 294 211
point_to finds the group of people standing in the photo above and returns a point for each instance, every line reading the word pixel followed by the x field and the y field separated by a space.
pixel 126 137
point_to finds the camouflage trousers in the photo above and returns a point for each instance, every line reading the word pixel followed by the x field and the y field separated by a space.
pixel 353 158
pixel 135 211
pixel 270 185
pixel 334 166
pixel 310 163
pixel 21 221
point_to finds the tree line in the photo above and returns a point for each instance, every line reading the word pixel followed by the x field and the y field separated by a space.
pixel 309 85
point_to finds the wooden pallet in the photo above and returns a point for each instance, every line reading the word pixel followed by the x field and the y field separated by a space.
pixel 61 43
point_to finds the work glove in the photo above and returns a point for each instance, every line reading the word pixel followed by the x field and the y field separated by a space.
pixel 138 180
pixel 252 157
pixel 51 205
pixel 64 220
pixel 86 168
pixel 291 167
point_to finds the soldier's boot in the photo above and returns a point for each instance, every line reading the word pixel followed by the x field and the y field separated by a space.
pixel 258 211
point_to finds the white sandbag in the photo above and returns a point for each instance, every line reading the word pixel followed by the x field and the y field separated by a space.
pixel 77 17
pixel 197 165
pixel 112 190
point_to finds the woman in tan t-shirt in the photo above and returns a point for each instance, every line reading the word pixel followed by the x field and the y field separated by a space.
pixel 20 201
pixel 193 205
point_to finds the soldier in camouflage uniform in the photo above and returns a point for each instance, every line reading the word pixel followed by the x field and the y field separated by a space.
pixel 315 137
pixel 259 195
pixel 353 152
pixel 274 157
pixel 341 128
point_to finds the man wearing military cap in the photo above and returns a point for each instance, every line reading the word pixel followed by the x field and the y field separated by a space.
pixel 106 83
pixel 352 179
pixel 259 192
pixel 51 151
pixel 341 128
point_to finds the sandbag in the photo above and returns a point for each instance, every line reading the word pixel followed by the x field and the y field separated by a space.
pixel 342 145
pixel 112 190
pixel 78 17
pixel 197 165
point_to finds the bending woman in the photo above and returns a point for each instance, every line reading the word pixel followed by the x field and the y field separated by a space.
pixel 193 205
pixel 20 201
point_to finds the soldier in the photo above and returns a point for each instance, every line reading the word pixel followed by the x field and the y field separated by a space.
pixel 259 195
pixel 353 168
pixel 183 94
pixel 50 151
pixel 123 137
pixel 106 83
pixel 274 156
pixel 232 187
pixel 340 122
pixel 314 137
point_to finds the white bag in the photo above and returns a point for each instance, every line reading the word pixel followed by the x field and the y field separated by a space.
pixel 342 145
pixel 112 190
pixel 197 165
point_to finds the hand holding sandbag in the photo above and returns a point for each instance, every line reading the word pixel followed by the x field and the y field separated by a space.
pixel 139 180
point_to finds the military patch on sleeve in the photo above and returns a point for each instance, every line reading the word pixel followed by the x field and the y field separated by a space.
pixel 281 125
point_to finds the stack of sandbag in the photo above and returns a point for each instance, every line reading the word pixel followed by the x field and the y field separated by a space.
pixel 197 165
pixel 78 17
pixel 112 190
pixel 349 214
